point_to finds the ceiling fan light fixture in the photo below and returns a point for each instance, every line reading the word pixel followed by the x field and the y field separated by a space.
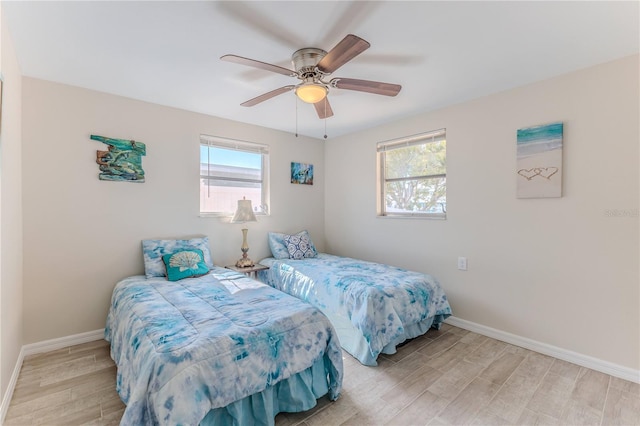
pixel 311 92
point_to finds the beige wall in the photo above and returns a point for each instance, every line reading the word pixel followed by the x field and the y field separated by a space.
pixel 81 235
pixel 559 271
pixel 10 213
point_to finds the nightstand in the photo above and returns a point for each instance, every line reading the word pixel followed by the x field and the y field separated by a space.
pixel 250 271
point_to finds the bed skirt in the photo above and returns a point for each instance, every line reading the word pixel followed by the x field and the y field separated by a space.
pixel 297 393
pixel 354 342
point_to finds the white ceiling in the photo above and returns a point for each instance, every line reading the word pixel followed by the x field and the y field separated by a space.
pixel 440 52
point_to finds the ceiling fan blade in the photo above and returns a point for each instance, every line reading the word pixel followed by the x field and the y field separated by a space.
pixel 267 96
pixel 376 87
pixel 258 64
pixel 350 47
pixel 323 108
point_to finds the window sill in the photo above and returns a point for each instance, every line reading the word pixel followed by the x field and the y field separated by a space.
pixel 226 215
pixel 435 216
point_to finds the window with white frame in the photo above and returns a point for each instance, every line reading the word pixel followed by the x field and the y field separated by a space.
pixel 412 176
pixel 231 170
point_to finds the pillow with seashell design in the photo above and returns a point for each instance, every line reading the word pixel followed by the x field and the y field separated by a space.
pixel 153 250
pixel 185 264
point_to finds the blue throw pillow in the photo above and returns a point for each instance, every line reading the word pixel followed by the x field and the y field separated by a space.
pixel 153 250
pixel 185 264
pixel 278 247
pixel 299 247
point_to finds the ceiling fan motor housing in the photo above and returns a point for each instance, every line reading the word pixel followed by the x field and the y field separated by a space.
pixel 305 62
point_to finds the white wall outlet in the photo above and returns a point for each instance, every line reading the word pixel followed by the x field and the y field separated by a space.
pixel 462 263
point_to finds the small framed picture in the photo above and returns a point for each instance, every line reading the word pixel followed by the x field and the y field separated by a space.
pixel 302 173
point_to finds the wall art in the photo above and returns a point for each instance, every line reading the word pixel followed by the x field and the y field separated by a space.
pixel 122 161
pixel 302 173
pixel 539 162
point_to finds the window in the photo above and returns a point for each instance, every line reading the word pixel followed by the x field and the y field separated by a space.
pixel 231 170
pixel 412 176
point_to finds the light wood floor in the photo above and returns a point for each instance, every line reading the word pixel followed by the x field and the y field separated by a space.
pixel 447 377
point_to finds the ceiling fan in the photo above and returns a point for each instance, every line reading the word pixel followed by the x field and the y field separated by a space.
pixel 312 66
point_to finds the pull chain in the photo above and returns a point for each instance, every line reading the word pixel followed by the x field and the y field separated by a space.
pixel 296 116
pixel 325 118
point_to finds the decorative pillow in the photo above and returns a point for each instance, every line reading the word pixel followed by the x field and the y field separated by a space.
pixel 185 264
pixel 299 247
pixel 279 248
pixel 153 250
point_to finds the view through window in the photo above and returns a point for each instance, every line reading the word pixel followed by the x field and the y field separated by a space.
pixel 412 176
pixel 229 171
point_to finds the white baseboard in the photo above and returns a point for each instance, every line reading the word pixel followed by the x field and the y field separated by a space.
pixel 41 347
pixel 62 342
pixel 12 385
pixel 602 366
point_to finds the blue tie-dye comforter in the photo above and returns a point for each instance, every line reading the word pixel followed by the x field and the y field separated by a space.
pixel 386 304
pixel 183 348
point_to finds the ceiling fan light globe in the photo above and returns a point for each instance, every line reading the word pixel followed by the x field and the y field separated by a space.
pixel 311 92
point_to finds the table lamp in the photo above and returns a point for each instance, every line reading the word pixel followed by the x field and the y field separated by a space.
pixel 244 214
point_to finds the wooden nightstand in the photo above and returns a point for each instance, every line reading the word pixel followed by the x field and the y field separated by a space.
pixel 250 271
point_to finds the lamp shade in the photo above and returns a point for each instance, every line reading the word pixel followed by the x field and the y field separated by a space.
pixel 244 213
pixel 311 92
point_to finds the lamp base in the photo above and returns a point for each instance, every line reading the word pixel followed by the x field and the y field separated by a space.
pixel 244 262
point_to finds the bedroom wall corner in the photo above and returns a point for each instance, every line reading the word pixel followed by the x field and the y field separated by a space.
pixel 88 237
pixel 11 236
pixel 561 271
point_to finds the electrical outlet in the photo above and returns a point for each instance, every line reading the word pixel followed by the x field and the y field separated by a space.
pixel 462 263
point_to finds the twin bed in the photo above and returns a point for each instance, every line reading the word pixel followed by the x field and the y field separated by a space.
pixel 373 307
pixel 217 348
pixel 198 344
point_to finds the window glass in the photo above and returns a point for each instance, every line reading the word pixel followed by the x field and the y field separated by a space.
pixel 229 171
pixel 412 176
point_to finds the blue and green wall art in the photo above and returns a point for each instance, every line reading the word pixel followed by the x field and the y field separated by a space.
pixel 122 161
pixel 302 173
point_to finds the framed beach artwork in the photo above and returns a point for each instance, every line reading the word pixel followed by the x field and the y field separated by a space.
pixel 539 162
pixel 302 173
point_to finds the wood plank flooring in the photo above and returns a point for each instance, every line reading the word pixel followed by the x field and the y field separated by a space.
pixel 447 377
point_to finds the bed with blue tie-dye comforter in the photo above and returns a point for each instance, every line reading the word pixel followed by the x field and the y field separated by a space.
pixel 218 349
pixel 372 306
